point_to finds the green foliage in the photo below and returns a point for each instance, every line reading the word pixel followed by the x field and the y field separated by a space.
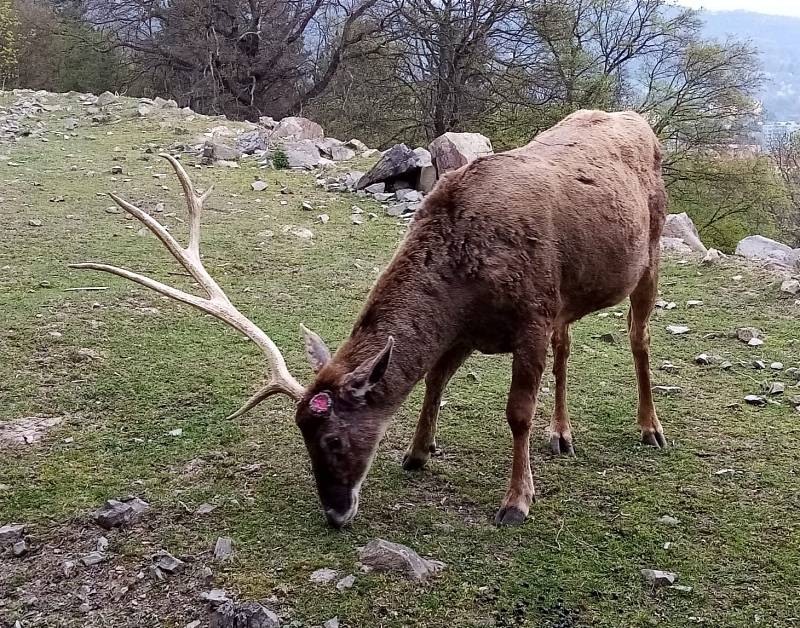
pixel 279 159
pixel 8 42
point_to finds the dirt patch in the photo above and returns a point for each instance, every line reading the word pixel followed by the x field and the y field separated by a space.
pixel 26 430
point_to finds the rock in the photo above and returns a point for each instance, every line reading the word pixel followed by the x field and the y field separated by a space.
pixel 298 128
pixel 681 226
pixel 69 568
pixel 794 373
pixel 70 124
pixel 223 550
pixel 19 549
pixel 205 509
pixel 11 533
pixel 608 339
pixel 357 145
pixel 703 359
pixel 398 209
pixel 454 150
pixel 791 286
pixel 777 388
pixel 669 367
pixel 255 141
pixel 725 365
pixel 215 597
pixel 408 196
pixel 755 342
pixel 102 544
pixel 675 245
pixel 301 154
pixel 342 153
pixel 346 583
pixel 93 558
pixel 712 256
pixel 331 623
pixel 306 206
pixel 659 578
pixel 144 110
pixel 258 186
pixel 680 588
pixel 667 390
pixel 376 188
pixel 382 197
pixel 755 400
pixel 214 150
pixel 324 218
pixel 33 222
pixel 267 122
pixel 105 99
pixel 677 330
pixel 761 249
pixel 776 366
pixel 119 513
pixel 665 305
pixel 759 365
pixel 693 303
pixel 745 334
pixel 193 624
pixel 324 575
pixel 668 521
pixel 167 562
pixel 381 555
pixel 247 615
pixel 397 168
pixel 356 220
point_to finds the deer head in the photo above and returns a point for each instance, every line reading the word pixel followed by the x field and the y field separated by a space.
pixel 340 430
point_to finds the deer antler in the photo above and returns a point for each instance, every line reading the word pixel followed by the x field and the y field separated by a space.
pixel 217 303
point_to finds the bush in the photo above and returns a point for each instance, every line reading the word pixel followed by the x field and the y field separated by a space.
pixel 279 159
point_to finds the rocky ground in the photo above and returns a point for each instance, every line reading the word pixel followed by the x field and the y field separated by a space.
pixel 111 393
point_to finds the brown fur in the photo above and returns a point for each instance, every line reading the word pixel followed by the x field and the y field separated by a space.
pixel 503 256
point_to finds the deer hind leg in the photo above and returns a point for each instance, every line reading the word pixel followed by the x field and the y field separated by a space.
pixel 642 300
pixel 560 427
pixel 527 370
pixel 424 442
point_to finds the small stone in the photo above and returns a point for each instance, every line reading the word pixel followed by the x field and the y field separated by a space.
pixel 376 188
pixel 755 400
pixel 93 558
pixel 776 366
pixel 116 170
pixel 791 286
pixel 324 575
pixel 777 388
pixel 357 220
pixel 693 303
pixel 69 568
pixel 12 532
pixel 193 624
pixel 307 206
pixel 759 365
pixel 703 359
pixel 382 197
pixel 667 520
pixel 712 256
pixel 167 562
pixel 355 209
pixel 20 548
pixel 398 209
pixel 247 615
pixel 676 330
pixel 324 218
pixel 667 390
pixel 659 578
pixel 102 544
pixel 669 367
pixel 176 432
pixel 258 186
pixel 725 472
pixel 331 623
pixel 381 555
pixel 205 509
pixel 33 222
pixel 346 583
pixel 755 342
pixel 118 513
pixel 680 588
pixel 85 608
pixel 215 597
pixel 223 549
pixel 726 365
pixel 608 339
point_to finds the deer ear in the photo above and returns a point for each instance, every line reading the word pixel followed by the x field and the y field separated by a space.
pixel 316 351
pixel 360 381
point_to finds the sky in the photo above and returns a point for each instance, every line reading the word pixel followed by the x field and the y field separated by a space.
pixel 775 7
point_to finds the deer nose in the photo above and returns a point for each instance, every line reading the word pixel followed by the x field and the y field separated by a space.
pixel 337 519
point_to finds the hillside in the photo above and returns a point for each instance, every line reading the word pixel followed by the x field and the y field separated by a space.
pixel 778 40
pixel 123 392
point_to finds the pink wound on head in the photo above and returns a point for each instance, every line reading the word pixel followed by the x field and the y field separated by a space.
pixel 320 403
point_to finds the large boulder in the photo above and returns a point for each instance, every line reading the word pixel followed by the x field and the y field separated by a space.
pixel 453 150
pixel 675 245
pixel 761 249
pixel 681 226
pixel 253 141
pixel 398 168
pixel 427 171
pixel 215 150
pixel 301 153
pixel 297 128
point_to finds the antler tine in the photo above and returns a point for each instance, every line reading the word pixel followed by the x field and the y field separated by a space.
pixel 217 303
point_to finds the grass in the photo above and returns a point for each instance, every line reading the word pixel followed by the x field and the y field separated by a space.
pixel 576 562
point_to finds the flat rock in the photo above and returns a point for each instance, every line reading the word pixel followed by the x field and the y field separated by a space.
pixel 659 578
pixel 791 286
pixel 755 400
pixel 258 186
pixel 681 226
pixel 115 513
pixel 223 549
pixel 93 558
pixel 323 576
pixel 677 330
pixel 745 334
pixel 712 256
pixel 298 128
pixel 346 583
pixel 215 597
pixel 667 390
pixel 12 532
pixel 761 249
pixel 167 562
pixel 777 388
pixel 668 520
pixel 382 555
pixel 301 154
pixel 247 615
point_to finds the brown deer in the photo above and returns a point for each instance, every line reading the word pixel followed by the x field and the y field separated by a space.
pixel 503 256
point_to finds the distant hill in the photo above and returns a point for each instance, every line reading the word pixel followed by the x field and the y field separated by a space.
pixel 778 40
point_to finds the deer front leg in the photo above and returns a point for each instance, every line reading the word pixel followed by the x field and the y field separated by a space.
pixel 424 442
pixel 526 376
pixel 560 427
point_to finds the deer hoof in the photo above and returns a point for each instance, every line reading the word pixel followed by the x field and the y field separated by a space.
pixel 559 445
pixel 509 516
pixel 414 462
pixel 654 439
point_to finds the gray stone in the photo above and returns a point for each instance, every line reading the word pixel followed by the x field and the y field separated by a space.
pixel 342 153
pixel 454 150
pixel 215 597
pixel 408 196
pixel 398 167
pixel 324 575
pixel 381 555
pixel 791 286
pixel 398 209
pixel 301 154
pixel 610 339
pixel 331 623
pixel 105 99
pixel 214 150
pixel 674 245
pixel 71 124
pixel 12 532
pixel 677 330
pixel 119 513
pixel 93 558
pixel 258 186
pixel 761 249
pixel 167 562
pixel 382 197
pixel 253 141
pixel 711 257
pixel 667 520
pixel 69 568
pixel 755 400
pixel 659 578
pixel 247 615
pixel 346 583
pixel 223 549
pixel 667 390
pixel 357 145
pixel 777 388
pixel 20 548
pixel 746 334
pixel 376 188
pixel 298 128
pixel 681 226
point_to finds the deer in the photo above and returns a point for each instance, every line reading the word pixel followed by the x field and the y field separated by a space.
pixel 504 255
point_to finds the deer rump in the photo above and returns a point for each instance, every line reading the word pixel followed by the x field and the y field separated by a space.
pixel 504 254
